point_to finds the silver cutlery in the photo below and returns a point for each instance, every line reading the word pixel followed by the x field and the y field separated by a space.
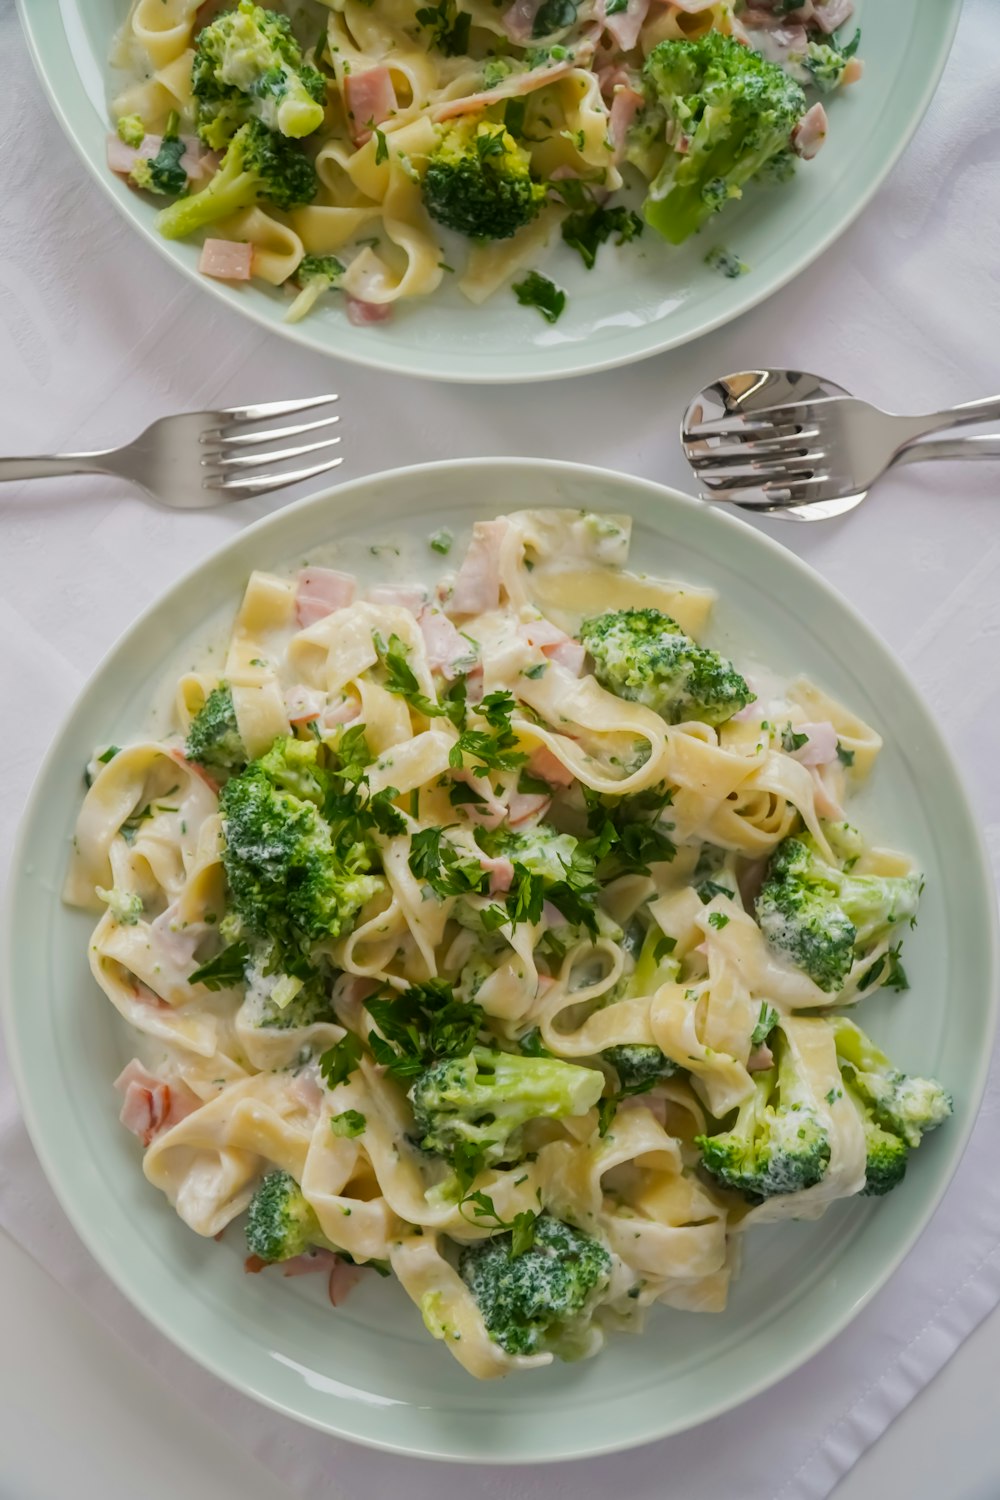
pixel 791 444
pixel 204 458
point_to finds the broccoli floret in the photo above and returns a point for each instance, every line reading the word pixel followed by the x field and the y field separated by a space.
pixel 886 1154
pixel 280 1222
pixel 163 172
pixel 131 130
pixel 778 1143
pixel 639 1067
pixel 825 66
pixel 257 165
pixel 316 274
pixel 644 655
pixel 125 906
pixel 213 739
pixel 906 1106
pixel 478 181
pixel 539 1300
pixel 290 879
pixel 248 65
pixel 823 918
pixel 479 1102
pixel 730 109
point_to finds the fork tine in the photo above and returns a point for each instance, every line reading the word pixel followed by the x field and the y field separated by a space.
pixel 772 494
pixel 261 485
pixel 273 408
pixel 764 438
pixel 270 434
pixel 761 421
pixel 752 457
pixel 255 460
pixel 763 479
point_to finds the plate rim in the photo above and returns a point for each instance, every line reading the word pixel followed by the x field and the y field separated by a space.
pixel 122 1278
pixel 453 373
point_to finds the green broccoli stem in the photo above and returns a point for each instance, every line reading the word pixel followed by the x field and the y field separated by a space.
pixel 231 189
pixel 684 210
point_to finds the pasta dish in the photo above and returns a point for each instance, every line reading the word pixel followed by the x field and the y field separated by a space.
pixel 503 937
pixel 375 149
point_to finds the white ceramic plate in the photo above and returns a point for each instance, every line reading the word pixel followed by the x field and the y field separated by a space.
pixel 639 300
pixel 368 1370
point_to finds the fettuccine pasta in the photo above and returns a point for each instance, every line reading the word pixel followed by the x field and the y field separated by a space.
pixel 500 936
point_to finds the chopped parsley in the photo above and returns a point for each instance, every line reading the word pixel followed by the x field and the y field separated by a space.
pixel 538 291
pixel 718 920
pixel 846 757
pixel 339 1061
pixel 588 229
pixel 420 1026
pixel 492 749
pixel 791 740
pixel 225 970
pixel 401 679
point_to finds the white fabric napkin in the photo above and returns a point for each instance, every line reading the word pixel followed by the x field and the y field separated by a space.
pixel 98 336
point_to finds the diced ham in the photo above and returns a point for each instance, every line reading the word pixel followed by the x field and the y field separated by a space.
pixel 820 747
pixel 176 942
pixel 448 651
pixel 552 916
pixel 477 584
pixel 150 1104
pixel 501 873
pixel 569 654
pixel 760 1059
pixel 519 21
pixel 625 105
pixel 307 1090
pixel 370 98
pixel 853 72
pixel 226 260
pixel 549 767
pixel 342 712
pixel 542 633
pixel 626 24
pixel 779 43
pixel 303 704
pixel 194 768
pixel 399 596
pixel 489 813
pixel 527 806
pixel 310 1261
pixel 830 14
pixel 612 76
pixel 121 158
pixel 514 86
pixel 321 591
pixel 343 1278
pixel 810 133
pixel 360 313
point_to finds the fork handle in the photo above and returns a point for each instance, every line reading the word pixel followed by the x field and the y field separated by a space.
pixel 51 465
pixel 986 410
pixel 986 446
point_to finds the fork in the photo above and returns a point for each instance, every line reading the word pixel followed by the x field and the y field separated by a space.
pixel 802 453
pixel 202 458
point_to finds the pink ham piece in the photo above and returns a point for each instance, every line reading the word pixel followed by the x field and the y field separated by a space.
pixel 830 14
pixel 194 768
pixel 549 767
pixel 826 803
pixel 343 1278
pixel 303 704
pixel 500 871
pixel 151 1105
pixel 360 313
pixel 370 98
pixel 625 105
pixel 121 158
pixel 626 24
pixel 810 133
pixel 760 1059
pixel 399 596
pixel 519 20
pixel 820 747
pixel 321 591
pixel 342 712
pixel 477 584
pixel 569 654
pixel 226 260
pixel 448 651
pixel 526 807
pixel 542 633
pixel 196 162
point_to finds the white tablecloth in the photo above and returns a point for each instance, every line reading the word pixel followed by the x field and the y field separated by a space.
pixel 98 336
